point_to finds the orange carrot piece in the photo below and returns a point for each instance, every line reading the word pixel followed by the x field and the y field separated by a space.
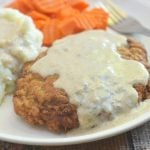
pixel 17 4
pixel 96 19
pixel 38 16
pixel 68 26
pixel 83 23
pixel 13 4
pixel 50 32
pixel 67 12
pixel 78 4
pixel 49 6
pixel 21 7
pixel 101 16
pixel 28 4
pixel 39 24
pixel 81 6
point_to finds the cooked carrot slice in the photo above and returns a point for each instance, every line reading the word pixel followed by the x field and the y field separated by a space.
pixel 18 5
pixel 39 24
pixel 13 4
pixel 78 4
pixel 92 20
pixel 67 12
pixel 68 26
pixel 81 6
pixel 50 32
pixel 22 7
pixel 38 16
pixel 28 4
pixel 49 6
pixel 83 23
pixel 102 18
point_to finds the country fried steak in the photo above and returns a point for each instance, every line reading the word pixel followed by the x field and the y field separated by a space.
pixel 40 103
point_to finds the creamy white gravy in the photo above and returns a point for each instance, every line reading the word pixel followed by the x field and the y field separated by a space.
pixel 136 115
pixel 94 75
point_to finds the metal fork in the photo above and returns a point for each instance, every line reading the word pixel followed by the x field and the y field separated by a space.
pixel 120 21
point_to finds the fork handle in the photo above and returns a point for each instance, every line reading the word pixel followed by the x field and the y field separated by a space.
pixel 145 31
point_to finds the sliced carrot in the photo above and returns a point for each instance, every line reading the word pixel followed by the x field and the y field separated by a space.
pixel 18 5
pixel 67 12
pixel 92 20
pixel 38 16
pixel 68 26
pixel 49 6
pixel 82 22
pixel 50 32
pixel 78 4
pixel 39 24
pixel 13 4
pixel 22 8
pixel 81 6
pixel 22 5
pixel 102 18
pixel 28 4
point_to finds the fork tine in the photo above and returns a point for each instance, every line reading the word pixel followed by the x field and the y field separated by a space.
pixel 116 9
pixel 112 19
pixel 116 14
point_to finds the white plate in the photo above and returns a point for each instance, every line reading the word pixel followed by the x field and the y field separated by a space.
pixel 14 129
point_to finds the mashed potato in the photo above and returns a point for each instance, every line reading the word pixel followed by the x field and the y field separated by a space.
pixel 20 41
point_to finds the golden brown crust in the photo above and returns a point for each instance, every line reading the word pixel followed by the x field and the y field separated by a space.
pixel 141 89
pixel 39 102
pixel 136 51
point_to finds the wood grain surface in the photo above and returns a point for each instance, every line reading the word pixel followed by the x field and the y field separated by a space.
pixel 137 139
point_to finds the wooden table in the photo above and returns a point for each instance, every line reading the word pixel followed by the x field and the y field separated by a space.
pixel 137 139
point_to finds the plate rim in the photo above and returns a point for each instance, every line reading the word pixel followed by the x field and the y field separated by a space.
pixel 145 117
pixel 79 139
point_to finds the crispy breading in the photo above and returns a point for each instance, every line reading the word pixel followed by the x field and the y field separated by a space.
pixel 39 102
pixel 136 51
